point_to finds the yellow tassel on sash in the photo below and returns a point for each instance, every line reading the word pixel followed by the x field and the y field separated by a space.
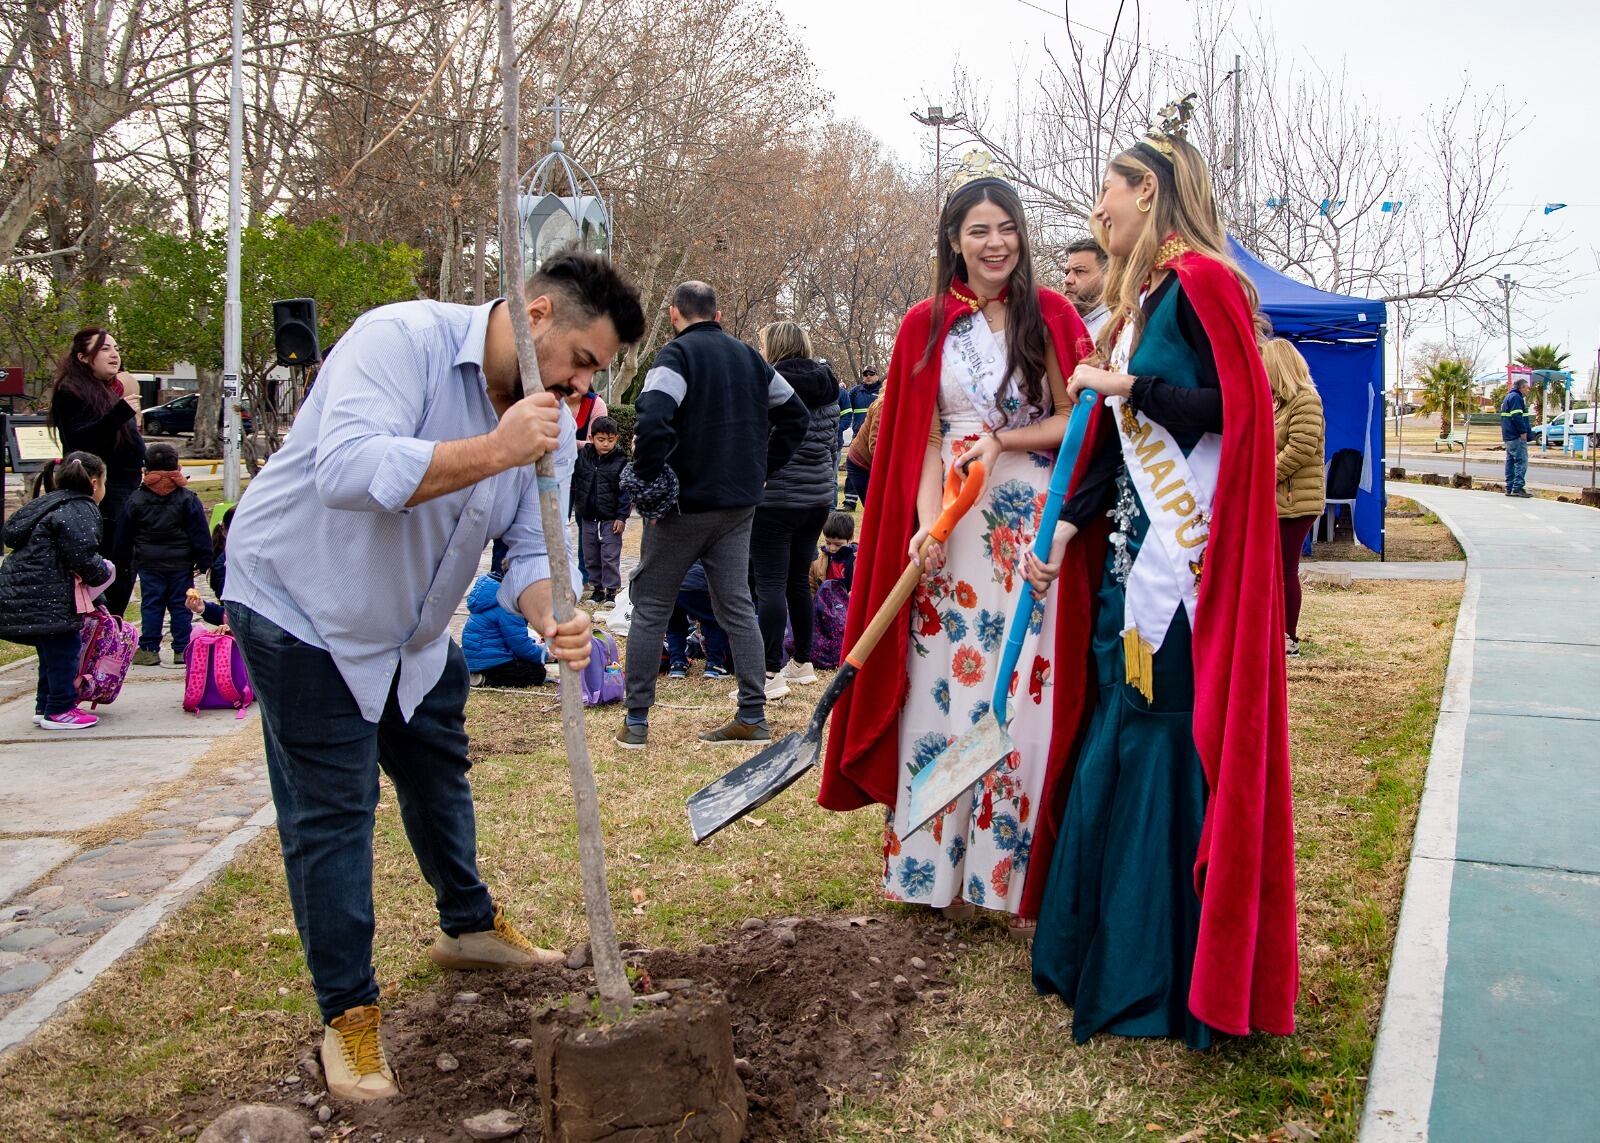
pixel 1139 658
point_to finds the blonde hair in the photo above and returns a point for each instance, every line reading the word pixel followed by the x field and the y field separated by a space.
pixel 784 339
pixel 1287 370
pixel 1182 205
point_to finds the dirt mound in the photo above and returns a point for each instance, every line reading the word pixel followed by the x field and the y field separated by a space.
pixel 818 1006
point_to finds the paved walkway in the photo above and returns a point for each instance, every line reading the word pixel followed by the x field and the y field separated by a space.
pixel 1491 1024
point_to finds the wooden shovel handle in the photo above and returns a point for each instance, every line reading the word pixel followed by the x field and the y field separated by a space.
pixel 961 491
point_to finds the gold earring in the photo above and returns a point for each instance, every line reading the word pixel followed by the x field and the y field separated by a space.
pixel 1143 204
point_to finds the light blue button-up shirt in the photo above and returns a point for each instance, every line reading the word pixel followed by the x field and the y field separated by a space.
pixel 323 544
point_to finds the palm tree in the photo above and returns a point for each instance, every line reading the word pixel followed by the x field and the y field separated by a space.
pixel 1546 357
pixel 1446 386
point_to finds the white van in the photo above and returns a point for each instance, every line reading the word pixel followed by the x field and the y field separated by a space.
pixel 1577 422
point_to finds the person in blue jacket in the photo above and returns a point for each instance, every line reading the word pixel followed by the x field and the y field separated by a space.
pixel 499 650
pixel 1516 430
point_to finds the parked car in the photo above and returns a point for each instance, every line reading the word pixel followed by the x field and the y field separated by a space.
pixel 1580 422
pixel 177 416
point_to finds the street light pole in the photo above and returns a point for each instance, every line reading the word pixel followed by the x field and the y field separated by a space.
pixel 938 120
pixel 230 307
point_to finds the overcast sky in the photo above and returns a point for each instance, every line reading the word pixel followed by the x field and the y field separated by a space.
pixel 884 58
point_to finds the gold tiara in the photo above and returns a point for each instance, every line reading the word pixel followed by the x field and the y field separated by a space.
pixel 1172 122
pixel 974 165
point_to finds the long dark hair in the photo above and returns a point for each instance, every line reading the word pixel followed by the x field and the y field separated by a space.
pixel 1026 337
pixel 76 379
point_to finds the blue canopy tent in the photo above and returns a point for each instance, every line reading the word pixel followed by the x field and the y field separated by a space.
pixel 1342 341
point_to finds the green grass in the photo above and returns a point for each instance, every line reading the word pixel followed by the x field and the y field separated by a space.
pixel 198 1009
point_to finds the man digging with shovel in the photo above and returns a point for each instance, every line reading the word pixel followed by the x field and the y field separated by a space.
pixel 347 558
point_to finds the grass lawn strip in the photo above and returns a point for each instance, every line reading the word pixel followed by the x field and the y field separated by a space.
pixel 218 1001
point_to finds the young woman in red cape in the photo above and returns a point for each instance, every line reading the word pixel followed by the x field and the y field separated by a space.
pixel 977 372
pixel 1170 906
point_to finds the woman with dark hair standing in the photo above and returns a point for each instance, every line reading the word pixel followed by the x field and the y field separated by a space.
pixel 783 536
pixel 90 413
pixel 1170 905
pixel 976 373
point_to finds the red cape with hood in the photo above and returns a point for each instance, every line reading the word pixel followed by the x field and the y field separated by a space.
pixel 862 762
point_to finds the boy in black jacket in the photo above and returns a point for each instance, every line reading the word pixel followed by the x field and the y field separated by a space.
pixel 163 530
pixel 601 507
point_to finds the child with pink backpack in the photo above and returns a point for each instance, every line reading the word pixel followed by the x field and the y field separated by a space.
pixel 54 542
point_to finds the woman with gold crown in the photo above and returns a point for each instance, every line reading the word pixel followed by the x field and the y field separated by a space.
pixel 977 372
pixel 1169 909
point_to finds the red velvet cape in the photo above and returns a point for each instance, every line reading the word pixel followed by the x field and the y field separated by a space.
pixel 862 761
pixel 1247 962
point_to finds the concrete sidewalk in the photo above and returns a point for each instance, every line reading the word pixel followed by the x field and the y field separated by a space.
pixel 104 832
pixel 1491 1023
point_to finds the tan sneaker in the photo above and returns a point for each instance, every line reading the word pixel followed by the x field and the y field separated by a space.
pixel 736 733
pixel 353 1061
pixel 499 947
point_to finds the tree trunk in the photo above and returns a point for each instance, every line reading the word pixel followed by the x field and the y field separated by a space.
pixel 207 442
pixel 480 261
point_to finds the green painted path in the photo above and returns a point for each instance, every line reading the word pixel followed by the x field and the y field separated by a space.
pixel 1491 1023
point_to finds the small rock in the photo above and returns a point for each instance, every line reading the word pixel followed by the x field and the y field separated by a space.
pixel 23 977
pixel 216 825
pixel 918 963
pixel 15 912
pixel 23 940
pixel 120 904
pixel 282 990
pixel 654 998
pixel 66 915
pixel 318 1132
pixel 743 1066
pixel 310 1099
pixel 46 894
pixel 856 996
pixel 324 1113
pixel 446 1062
pixel 496 1124
pixel 751 924
pixel 310 1066
pixel 293 1081
pixel 579 956
pixel 255 1123
pixel 901 980
pixel 467 998
pixel 520 1044
pixel 875 961
pixel 785 937
pixel 676 984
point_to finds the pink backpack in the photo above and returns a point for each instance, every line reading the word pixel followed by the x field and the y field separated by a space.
pixel 215 678
pixel 108 643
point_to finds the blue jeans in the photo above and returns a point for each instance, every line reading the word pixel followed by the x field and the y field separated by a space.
pixel 1516 465
pixel 58 672
pixel 323 760
pixel 162 593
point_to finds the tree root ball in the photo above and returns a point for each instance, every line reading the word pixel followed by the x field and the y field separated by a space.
pixel 1461 480
pixel 666 1073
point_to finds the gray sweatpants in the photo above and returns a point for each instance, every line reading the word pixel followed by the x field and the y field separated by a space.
pixel 721 542
pixel 602 553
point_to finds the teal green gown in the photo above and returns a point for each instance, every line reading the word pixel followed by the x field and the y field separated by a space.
pixel 1120 918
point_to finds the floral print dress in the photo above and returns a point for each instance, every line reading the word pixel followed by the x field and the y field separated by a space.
pixel 977 849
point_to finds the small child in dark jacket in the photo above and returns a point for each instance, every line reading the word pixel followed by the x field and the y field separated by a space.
pixel 211 612
pixel 837 559
pixel 498 649
pixel 163 531
pixel 53 539
pixel 601 508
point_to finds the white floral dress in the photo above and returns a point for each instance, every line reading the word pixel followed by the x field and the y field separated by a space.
pixel 978 850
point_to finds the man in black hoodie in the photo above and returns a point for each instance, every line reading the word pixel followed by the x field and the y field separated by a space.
pixel 714 421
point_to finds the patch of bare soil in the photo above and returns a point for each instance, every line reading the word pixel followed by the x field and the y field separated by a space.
pixel 818 1007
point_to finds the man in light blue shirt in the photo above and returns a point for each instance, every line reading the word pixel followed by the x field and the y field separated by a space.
pixel 347 557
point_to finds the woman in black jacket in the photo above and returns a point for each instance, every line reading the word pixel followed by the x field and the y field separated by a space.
pixel 89 413
pixel 783 537
pixel 53 539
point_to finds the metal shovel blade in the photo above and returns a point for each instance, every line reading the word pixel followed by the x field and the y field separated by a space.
pixel 764 776
pixel 957 770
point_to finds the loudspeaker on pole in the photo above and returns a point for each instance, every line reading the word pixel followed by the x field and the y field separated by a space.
pixel 294 331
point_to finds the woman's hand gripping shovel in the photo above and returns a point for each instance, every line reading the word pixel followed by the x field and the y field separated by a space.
pixel 772 771
pixel 988 743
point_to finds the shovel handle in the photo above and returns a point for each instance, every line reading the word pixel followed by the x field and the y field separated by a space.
pixel 960 493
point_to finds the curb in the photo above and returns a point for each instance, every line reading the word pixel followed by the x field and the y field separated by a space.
pixel 48 999
pixel 1405 1056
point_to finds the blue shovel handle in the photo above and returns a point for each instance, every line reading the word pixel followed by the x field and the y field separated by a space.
pixel 1060 478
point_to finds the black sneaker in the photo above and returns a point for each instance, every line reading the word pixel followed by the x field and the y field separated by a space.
pixel 632 737
pixel 677 672
pixel 736 733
